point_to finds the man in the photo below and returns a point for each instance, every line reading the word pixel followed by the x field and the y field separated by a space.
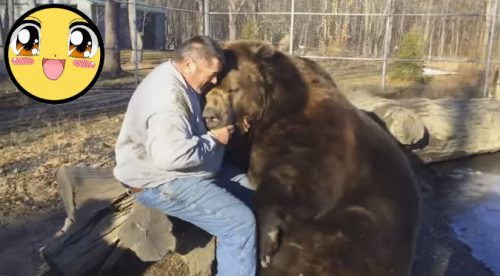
pixel 169 160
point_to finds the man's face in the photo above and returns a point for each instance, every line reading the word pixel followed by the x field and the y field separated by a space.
pixel 205 73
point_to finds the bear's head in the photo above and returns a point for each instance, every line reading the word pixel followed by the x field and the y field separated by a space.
pixel 254 78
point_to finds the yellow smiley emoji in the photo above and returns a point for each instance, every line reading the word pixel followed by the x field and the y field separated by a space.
pixel 55 53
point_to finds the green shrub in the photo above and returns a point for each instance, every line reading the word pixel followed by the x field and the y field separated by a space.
pixel 249 30
pixel 411 47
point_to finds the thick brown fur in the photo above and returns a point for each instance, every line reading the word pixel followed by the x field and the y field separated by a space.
pixel 330 182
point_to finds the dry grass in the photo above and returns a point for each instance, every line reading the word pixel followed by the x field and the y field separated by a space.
pixel 31 159
pixel 466 82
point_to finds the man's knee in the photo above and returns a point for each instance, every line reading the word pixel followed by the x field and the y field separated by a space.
pixel 241 232
pixel 248 219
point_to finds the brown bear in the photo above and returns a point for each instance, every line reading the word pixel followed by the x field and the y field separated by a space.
pixel 334 193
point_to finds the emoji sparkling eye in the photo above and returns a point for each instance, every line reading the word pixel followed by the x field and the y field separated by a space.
pixel 25 40
pixel 83 41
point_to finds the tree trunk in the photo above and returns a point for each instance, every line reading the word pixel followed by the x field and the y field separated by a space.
pixel 428 9
pixel 337 23
pixel 450 44
pixel 401 22
pixel 135 35
pixel 112 65
pixel 201 16
pixel 457 37
pixel 429 54
pixel 479 51
pixel 486 30
pixel 3 26
pixel 321 30
pixel 31 4
pixel 443 28
pixel 233 6
pixel 3 34
pixel 304 34
pixel 10 13
pixel 384 27
pixel 366 32
pixel 232 27
pixel 440 129
pixel 346 30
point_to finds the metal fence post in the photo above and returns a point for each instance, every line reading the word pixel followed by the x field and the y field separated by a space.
pixel 136 61
pixel 491 33
pixel 206 27
pixel 292 20
pixel 387 40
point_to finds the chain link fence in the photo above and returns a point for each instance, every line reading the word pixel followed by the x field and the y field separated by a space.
pixel 397 47
pixel 400 47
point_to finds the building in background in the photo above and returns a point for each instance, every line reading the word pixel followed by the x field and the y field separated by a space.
pixel 150 20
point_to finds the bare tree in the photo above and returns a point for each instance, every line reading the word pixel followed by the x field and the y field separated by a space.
pixel 180 26
pixel 443 27
pixel 486 31
pixel 10 12
pixel 367 48
pixel 457 37
pixel 200 18
pixel 31 4
pixel 3 28
pixel 401 29
pixel 136 41
pixel 431 36
pixel 254 7
pixel 323 29
pixel 360 34
pixel 428 9
pixel 112 50
pixel 234 6
pixel 5 25
pixel 345 34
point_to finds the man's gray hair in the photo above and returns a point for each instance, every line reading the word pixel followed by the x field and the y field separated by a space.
pixel 200 47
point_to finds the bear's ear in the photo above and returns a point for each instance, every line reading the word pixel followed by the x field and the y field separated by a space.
pixel 265 51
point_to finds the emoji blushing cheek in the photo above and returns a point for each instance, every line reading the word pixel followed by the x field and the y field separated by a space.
pixel 80 63
pixel 22 61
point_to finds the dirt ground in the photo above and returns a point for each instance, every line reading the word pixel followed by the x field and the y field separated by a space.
pixel 36 139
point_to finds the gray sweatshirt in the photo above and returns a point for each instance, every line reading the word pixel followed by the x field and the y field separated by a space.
pixel 163 135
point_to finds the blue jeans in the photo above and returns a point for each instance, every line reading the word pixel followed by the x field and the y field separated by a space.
pixel 212 204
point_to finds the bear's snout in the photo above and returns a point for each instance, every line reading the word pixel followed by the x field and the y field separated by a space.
pixel 212 118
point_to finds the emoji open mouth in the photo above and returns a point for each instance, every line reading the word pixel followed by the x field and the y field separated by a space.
pixel 53 68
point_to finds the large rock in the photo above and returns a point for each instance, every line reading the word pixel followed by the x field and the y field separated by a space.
pixel 103 222
pixel 438 129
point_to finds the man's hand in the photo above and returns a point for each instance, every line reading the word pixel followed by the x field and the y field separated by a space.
pixel 223 134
